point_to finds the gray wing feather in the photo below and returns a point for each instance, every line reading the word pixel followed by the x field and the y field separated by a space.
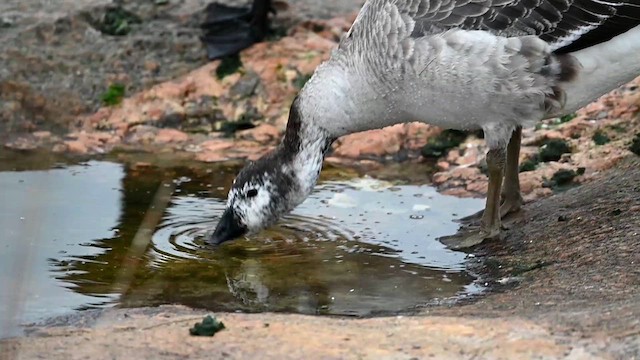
pixel 564 24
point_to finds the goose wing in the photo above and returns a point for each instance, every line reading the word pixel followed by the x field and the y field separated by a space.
pixel 567 25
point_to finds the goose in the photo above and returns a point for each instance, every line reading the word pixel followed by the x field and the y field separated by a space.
pixel 494 65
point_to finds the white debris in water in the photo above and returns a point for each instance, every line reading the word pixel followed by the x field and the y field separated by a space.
pixel 342 201
pixel 369 184
pixel 509 280
pixel 421 207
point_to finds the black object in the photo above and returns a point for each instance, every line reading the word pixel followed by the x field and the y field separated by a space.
pixel 229 29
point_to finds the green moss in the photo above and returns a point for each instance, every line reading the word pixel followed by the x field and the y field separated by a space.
pixel 619 128
pixel 563 177
pixel 113 95
pixel 301 80
pixel 567 118
pixel 229 65
pixel 635 145
pixel 529 164
pixel 117 21
pixel 553 149
pixel 600 138
pixel 439 145
pixel 208 327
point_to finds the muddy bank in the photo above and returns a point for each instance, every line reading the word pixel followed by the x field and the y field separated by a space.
pixel 564 285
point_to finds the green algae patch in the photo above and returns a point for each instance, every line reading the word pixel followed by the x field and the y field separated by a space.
pixel 529 164
pixel 439 145
pixel 228 65
pixel 208 327
pixel 553 150
pixel 563 179
pixel 113 95
pixel 600 138
pixel 117 21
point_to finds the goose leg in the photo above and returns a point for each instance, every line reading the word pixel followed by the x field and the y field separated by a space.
pixel 490 223
pixel 511 199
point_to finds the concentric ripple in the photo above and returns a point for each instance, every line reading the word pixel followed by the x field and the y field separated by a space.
pixel 353 248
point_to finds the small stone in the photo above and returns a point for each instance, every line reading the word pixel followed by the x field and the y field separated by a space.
pixel 41 134
pixel 443 165
pixel 246 86
pixel 152 66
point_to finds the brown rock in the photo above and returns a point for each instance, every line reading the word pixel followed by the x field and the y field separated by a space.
pixel 467 173
pixel 142 134
pixel 477 187
pixel 417 135
pixel 216 146
pixel 373 143
pixel 443 165
pixel 457 191
pixel 76 147
pixel 211 156
pixel 165 136
pixel 264 134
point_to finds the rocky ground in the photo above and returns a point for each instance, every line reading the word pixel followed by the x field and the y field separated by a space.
pixel 565 278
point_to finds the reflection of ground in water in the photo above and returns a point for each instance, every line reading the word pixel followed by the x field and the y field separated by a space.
pixel 354 248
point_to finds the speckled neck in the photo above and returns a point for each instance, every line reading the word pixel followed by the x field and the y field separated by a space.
pixel 301 153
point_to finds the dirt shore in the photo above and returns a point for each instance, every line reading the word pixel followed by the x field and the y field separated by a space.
pixel 564 284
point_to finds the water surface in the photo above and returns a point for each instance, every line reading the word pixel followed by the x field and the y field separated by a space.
pixel 98 235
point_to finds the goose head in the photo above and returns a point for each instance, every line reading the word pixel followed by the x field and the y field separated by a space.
pixel 265 190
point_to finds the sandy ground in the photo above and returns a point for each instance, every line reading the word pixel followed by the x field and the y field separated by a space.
pixel 565 284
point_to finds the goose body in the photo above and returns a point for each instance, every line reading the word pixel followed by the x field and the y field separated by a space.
pixel 495 65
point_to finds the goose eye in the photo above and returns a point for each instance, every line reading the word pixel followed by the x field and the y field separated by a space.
pixel 252 193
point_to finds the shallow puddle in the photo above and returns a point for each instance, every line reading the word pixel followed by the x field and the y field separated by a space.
pixel 85 236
